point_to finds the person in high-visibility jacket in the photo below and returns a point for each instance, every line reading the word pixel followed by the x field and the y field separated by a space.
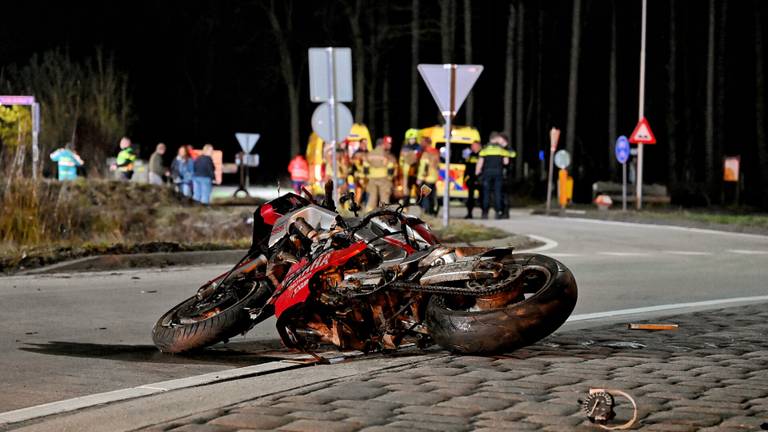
pixel 67 161
pixel 299 170
pixel 379 170
pixel 429 166
pixel 409 162
pixel 356 179
pixel 494 157
pixel 125 160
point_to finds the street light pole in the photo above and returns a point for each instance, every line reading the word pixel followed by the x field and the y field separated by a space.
pixel 641 109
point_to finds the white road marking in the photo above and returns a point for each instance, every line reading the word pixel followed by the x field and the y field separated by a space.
pixel 624 254
pixel 748 252
pixel 77 403
pixel 548 244
pixel 688 253
pixel 659 308
pixel 669 227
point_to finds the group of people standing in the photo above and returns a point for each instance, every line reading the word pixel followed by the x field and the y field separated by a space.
pixel 192 175
pixel 376 172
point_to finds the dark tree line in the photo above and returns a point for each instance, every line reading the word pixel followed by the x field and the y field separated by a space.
pixel 222 66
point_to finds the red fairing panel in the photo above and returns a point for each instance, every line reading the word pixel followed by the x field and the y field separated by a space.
pixel 297 290
pixel 269 214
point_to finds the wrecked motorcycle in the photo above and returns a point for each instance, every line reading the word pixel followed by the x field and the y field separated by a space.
pixel 371 283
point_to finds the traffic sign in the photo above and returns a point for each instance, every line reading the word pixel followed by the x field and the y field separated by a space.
pixel 562 159
pixel 320 71
pixel 321 121
pixel 247 141
pixel 622 149
pixel 17 100
pixel 439 78
pixel 642 133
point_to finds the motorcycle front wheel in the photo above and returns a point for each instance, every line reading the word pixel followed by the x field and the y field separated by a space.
pixel 194 324
pixel 548 296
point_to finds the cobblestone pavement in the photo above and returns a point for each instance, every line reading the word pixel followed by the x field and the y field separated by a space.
pixel 708 375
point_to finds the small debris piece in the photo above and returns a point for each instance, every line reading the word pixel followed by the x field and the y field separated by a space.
pixel 633 345
pixel 654 327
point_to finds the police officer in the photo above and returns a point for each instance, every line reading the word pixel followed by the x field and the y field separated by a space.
pixel 490 165
pixel 429 164
pixel 409 163
pixel 379 170
pixel 471 178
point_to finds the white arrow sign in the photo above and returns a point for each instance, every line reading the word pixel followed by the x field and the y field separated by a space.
pixel 247 141
pixel 438 79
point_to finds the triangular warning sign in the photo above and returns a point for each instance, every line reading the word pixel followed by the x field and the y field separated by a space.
pixel 642 133
pixel 438 79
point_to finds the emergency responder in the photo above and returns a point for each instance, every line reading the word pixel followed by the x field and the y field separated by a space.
pixel 471 178
pixel 356 179
pixel 67 161
pixel 342 166
pixel 125 159
pixel 299 170
pixel 379 169
pixel 409 163
pixel 506 193
pixel 490 165
pixel 429 166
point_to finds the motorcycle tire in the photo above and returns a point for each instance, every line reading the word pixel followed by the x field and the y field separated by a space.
pixel 552 297
pixel 177 337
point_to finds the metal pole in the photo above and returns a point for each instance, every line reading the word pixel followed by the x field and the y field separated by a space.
pixel 624 186
pixel 641 108
pixel 448 126
pixel 332 102
pixel 35 135
pixel 549 179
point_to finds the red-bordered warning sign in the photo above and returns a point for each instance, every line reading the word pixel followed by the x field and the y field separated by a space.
pixel 643 133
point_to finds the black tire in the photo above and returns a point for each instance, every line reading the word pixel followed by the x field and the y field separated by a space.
pixel 171 336
pixel 516 325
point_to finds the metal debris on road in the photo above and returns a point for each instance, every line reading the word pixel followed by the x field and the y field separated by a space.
pixel 599 406
pixel 653 327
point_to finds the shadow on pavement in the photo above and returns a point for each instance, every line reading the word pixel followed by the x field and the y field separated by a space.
pixel 236 354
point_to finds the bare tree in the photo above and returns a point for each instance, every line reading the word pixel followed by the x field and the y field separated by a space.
pixel 415 18
pixel 612 99
pixel 672 97
pixel 520 91
pixel 353 10
pixel 470 108
pixel 447 29
pixel 573 79
pixel 709 127
pixel 762 145
pixel 509 73
pixel 281 20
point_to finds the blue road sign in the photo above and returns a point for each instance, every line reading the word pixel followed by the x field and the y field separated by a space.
pixel 622 149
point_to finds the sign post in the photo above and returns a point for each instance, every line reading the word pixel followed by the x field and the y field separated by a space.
pixel 330 81
pixel 554 137
pixel 247 143
pixel 449 85
pixel 622 155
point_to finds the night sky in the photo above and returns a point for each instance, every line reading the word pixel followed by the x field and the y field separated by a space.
pixel 201 70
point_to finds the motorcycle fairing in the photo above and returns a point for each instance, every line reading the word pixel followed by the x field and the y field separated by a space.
pixel 297 290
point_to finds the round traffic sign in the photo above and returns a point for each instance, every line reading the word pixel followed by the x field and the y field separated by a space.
pixel 562 159
pixel 622 149
pixel 321 121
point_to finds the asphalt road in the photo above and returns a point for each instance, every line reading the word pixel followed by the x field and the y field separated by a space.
pixel 71 335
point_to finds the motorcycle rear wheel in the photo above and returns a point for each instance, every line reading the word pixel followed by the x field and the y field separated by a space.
pixel 550 296
pixel 193 324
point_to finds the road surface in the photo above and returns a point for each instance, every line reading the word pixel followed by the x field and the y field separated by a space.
pixel 71 335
